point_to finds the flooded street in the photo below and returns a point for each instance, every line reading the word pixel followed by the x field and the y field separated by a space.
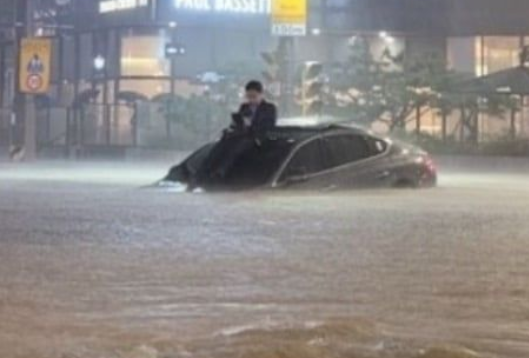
pixel 93 266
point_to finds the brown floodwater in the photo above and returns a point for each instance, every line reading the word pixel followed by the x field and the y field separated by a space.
pixel 93 266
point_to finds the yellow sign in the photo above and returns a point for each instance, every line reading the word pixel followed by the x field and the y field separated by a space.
pixel 289 17
pixel 35 65
pixel 290 11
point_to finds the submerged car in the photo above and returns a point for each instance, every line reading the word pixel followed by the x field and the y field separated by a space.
pixel 327 156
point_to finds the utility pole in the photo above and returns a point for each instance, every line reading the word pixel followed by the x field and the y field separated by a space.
pixel 287 69
pixel 287 44
pixel 27 111
pixel 30 112
pixel 279 74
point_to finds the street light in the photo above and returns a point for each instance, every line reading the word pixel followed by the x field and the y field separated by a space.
pixel 99 63
pixel 316 31
pixel 173 50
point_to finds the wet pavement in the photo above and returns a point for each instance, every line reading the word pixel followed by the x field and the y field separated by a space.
pixel 92 265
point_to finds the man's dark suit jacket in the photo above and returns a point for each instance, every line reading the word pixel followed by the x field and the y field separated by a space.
pixel 263 120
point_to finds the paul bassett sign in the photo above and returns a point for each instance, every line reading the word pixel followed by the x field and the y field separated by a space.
pixel 227 6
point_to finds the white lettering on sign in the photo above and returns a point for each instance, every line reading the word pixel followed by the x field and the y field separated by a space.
pixel 289 29
pixel 200 5
pixel 226 6
pixel 106 6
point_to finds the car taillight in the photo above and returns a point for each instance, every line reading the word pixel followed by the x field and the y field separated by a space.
pixel 430 165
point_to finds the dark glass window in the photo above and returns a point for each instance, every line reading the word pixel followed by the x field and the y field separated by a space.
pixel 345 149
pixel 307 160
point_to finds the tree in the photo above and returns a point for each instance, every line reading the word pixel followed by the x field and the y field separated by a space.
pixel 453 98
pixel 394 87
pixel 355 85
pixel 192 120
pixel 468 107
pixel 389 89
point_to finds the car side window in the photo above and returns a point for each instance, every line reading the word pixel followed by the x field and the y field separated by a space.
pixel 345 148
pixel 307 160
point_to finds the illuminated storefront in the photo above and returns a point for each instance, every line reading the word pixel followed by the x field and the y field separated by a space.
pixel 483 55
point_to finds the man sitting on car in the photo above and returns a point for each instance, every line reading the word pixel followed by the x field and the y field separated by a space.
pixel 256 116
pixel 250 126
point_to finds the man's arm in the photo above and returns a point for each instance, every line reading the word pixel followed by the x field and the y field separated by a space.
pixel 242 108
pixel 267 122
pixel 236 122
pixel 273 116
pixel 269 118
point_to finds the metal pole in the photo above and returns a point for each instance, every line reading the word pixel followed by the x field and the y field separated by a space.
pixel 3 91
pixel 444 126
pixel 68 135
pixel 2 74
pixel 513 122
pixel 286 52
pixel 74 116
pixel 114 121
pixel 170 102
pixel 169 106
pixel 106 112
pixel 418 118
pixel 30 113
pixel 134 122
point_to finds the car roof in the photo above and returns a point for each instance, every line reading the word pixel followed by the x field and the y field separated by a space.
pixel 302 128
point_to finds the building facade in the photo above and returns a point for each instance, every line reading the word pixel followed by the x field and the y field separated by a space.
pixel 116 46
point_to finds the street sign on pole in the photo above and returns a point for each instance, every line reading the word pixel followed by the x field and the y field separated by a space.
pixel 289 17
pixel 34 67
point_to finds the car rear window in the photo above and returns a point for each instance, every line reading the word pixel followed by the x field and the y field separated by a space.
pixel 345 149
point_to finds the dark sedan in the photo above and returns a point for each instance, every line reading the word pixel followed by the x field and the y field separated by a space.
pixel 317 157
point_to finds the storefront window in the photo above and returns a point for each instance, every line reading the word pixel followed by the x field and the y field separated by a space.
pixel 147 88
pixel 483 55
pixel 500 53
pixel 462 54
pixel 144 55
pixel 86 56
pixel 68 66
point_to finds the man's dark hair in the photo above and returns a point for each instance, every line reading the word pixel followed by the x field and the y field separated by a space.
pixel 254 86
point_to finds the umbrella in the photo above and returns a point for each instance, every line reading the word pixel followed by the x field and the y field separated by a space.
pixel 164 97
pixel 85 97
pixel 166 100
pixel 131 97
pixel 512 81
